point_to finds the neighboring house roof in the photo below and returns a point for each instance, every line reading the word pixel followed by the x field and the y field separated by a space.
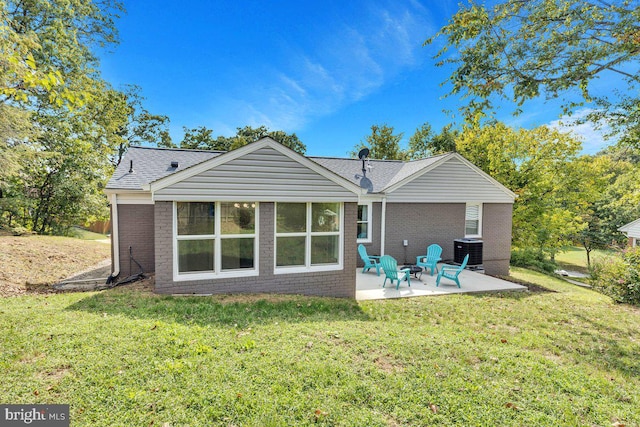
pixel 153 172
pixel 151 164
pixel 632 229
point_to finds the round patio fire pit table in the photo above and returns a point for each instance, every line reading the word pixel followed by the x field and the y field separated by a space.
pixel 413 269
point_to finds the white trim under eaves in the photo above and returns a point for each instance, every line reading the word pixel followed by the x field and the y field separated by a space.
pixel 242 151
pixel 444 159
pixel 135 199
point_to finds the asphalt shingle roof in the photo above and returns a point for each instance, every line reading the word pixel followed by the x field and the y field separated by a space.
pixel 151 164
pixel 382 175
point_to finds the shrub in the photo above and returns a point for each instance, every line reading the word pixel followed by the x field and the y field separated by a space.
pixel 533 259
pixel 19 230
pixel 619 276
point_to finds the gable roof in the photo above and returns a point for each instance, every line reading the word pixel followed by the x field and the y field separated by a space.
pixel 151 164
pixel 243 151
pixel 152 169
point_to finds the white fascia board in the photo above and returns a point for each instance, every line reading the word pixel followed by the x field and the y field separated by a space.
pixel 247 149
pixel 445 158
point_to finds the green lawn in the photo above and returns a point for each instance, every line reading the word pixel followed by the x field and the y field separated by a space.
pixel 576 258
pixel 125 357
pixel 81 233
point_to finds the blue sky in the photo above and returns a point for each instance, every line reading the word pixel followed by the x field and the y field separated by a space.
pixel 324 70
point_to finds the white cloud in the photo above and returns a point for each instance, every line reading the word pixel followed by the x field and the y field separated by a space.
pixel 345 63
pixel 591 134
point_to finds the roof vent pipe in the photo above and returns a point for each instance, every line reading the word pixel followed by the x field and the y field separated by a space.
pixel 131 167
pixel 174 164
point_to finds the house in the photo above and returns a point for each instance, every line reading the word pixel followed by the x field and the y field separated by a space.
pixel 632 231
pixel 263 218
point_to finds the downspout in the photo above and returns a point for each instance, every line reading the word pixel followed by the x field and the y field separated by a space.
pixel 383 225
pixel 115 242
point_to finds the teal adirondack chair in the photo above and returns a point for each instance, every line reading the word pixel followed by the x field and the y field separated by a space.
pixel 430 260
pixel 390 267
pixel 451 272
pixel 369 261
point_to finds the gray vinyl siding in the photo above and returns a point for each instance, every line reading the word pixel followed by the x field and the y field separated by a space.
pixel 450 182
pixel 264 174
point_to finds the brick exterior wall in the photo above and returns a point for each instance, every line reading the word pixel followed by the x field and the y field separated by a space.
pixel 340 283
pixel 496 235
pixel 136 230
pixel 423 224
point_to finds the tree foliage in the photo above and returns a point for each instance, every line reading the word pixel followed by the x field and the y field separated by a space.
pixel 522 49
pixel 47 48
pixel 534 164
pixel 382 143
pixel 202 138
pixel 61 123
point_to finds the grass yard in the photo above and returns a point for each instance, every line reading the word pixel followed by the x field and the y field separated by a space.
pixel 127 357
pixel 576 258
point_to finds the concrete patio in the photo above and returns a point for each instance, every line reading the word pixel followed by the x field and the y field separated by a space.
pixel 369 285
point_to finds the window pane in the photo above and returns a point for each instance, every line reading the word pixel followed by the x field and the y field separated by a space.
pixel 195 255
pixel 471 227
pixel 291 218
pixel 237 253
pixel 363 213
pixel 195 218
pixel 325 249
pixel 237 218
pixel 290 251
pixel 325 217
pixel 363 230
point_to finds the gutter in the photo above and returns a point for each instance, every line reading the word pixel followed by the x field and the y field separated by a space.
pixel 115 241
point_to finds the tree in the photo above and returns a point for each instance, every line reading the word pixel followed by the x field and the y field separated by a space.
pixel 534 165
pixel 46 48
pixel 382 144
pixel 424 143
pixel 141 126
pixel 63 119
pixel 519 50
pixel 202 138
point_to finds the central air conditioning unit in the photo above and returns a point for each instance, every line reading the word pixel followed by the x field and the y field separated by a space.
pixel 462 247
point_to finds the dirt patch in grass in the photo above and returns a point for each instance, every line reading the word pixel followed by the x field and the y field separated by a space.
pixel 32 263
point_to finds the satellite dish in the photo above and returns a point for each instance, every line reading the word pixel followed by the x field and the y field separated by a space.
pixel 363 153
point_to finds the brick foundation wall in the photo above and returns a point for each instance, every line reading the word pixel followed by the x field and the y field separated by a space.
pixel 136 230
pixel 340 283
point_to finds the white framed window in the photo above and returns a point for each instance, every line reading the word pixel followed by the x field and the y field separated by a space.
pixel 364 222
pixel 215 239
pixel 308 237
pixel 473 220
